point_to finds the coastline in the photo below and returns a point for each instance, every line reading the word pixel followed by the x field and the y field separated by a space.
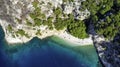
pixel 74 40
pixel 61 34
pixel 45 33
pixel 19 21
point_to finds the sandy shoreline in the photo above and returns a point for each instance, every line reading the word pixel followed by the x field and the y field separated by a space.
pixel 64 35
pixel 78 42
pixel 45 33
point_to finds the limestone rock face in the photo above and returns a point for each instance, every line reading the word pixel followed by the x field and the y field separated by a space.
pixel 16 16
pixel 11 9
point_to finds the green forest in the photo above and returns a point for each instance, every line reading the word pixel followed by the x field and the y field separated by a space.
pixel 76 28
pixel 104 15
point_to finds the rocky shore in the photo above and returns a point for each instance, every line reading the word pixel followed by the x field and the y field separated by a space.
pixel 108 50
pixel 12 13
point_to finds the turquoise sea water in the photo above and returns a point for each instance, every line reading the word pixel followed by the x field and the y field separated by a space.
pixel 49 52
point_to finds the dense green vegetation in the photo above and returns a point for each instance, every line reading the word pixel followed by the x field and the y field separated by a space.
pixel 40 18
pixel 37 22
pixel 97 6
pixel 76 28
pixel 105 15
pixel 59 24
pixel 22 33
pixel 110 26
pixel 49 23
pixel 37 16
pixel 68 0
pixel 35 3
pixel 9 28
pixel 58 12
pixel 38 32
pixel 28 22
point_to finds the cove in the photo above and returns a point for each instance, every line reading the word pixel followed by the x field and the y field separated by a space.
pixel 49 52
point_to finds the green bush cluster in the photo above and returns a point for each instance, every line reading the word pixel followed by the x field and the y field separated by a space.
pixel 35 3
pixel 9 28
pixel 28 22
pixel 110 27
pixel 38 32
pixel 37 16
pixel 49 23
pixel 22 33
pixel 58 12
pixel 68 0
pixel 76 28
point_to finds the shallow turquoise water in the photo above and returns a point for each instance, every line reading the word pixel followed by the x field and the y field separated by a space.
pixel 49 52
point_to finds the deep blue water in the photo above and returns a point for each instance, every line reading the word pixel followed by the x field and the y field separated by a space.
pixel 49 52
